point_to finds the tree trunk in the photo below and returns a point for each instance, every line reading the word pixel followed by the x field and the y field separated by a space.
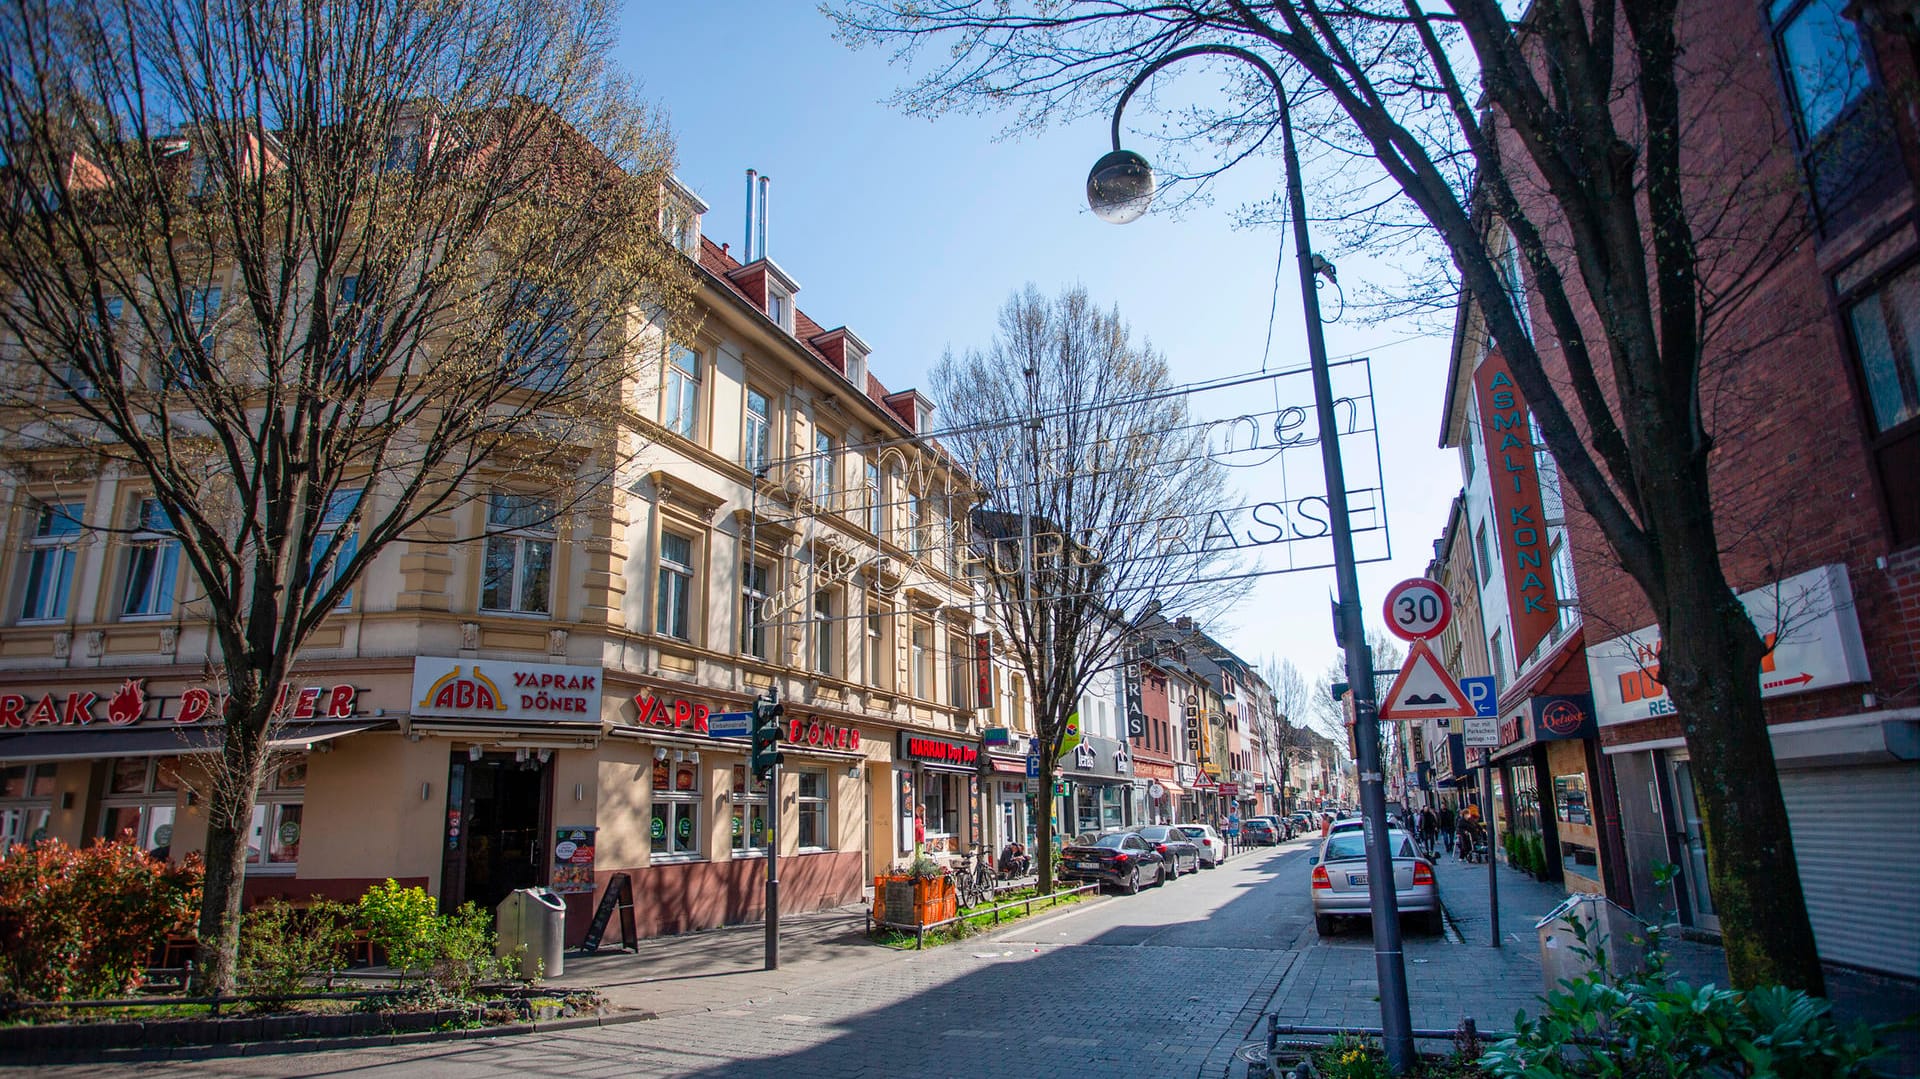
pixel 233 780
pixel 226 855
pixel 1752 870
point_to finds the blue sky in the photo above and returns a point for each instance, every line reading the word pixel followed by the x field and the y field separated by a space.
pixel 913 233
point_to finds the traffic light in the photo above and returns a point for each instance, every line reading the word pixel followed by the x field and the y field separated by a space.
pixel 766 736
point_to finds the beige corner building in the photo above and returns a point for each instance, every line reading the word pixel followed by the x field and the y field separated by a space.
pixel 534 707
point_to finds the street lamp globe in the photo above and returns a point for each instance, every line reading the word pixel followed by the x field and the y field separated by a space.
pixel 1120 187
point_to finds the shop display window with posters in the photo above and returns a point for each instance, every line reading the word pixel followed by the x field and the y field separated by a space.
pixel 749 828
pixel 674 832
pixel 140 802
pixel 26 803
pixel 939 805
pixel 274 844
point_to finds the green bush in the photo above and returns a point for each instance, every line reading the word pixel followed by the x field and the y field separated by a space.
pixel 454 951
pixel 80 923
pixel 404 922
pixel 1654 1024
pixel 281 944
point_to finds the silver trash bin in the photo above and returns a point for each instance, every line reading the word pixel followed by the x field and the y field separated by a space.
pixel 531 932
pixel 1611 931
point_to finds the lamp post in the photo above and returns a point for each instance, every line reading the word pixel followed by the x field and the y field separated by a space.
pixel 1120 189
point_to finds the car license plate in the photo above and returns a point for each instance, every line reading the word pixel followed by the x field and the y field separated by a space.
pixel 1086 865
pixel 1356 879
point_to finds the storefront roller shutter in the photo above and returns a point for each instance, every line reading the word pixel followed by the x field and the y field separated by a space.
pixel 1856 832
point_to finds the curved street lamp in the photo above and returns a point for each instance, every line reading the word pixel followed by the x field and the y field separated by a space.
pixel 1120 189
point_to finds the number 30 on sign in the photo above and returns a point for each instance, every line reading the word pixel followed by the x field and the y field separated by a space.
pixel 1418 609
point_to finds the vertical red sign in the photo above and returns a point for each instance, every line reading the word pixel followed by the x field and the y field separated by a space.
pixel 982 669
pixel 1519 517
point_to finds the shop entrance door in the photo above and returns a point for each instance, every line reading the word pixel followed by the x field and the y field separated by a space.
pixel 497 841
pixel 1692 839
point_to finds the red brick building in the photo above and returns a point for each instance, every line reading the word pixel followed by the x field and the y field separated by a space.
pixel 1811 390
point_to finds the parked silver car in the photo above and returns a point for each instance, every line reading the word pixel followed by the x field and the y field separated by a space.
pixel 1213 849
pixel 1340 887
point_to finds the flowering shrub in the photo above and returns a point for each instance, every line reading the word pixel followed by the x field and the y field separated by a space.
pixel 81 923
pixel 281 944
pixel 405 922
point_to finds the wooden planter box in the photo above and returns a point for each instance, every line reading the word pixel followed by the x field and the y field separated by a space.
pixel 905 901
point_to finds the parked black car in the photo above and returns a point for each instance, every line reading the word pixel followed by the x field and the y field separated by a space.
pixel 1260 832
pixel 1121 859
pixel 1172 844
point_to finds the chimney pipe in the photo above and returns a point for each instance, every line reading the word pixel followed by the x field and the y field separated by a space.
pixel 746 250
pixel 761 250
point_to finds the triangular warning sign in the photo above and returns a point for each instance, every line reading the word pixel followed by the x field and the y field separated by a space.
pixel 1424 690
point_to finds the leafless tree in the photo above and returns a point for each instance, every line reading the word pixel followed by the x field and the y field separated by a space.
pixel 1094 489
pixel 1568 140
pixel 312 273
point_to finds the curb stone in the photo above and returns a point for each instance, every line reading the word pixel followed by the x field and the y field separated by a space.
pixel 152 1054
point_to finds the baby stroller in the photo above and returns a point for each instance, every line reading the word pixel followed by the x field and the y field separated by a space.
pixel 1473 844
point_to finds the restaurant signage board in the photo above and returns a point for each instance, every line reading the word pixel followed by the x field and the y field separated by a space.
pixel 499 690
pixel 930 750
pixel 1533 605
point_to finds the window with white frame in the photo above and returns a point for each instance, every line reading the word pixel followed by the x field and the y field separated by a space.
pixel 539 336
pixel 675 829
pixel 274 846
pixel 823 468
pixel 1480 549
pixel 879 651
pixel 107 348
pixel 673 599
pixel 824 652
pixel 780 308
pixel 1514 280
pixel 921 668
pixel 874 517
pixel 959 673
pixel 911 527
pixel 358 322
pixel 139 802
pixel 200 311
pixel 517 577
pixel 814 822
pixel 680 400
pixel 1563 586
pixel 52 550
pixel 749 799
pixel 153 564
pixel 1499 653
pixel 754 590
pixel 757 432
pixel 26 804
pixel 337 541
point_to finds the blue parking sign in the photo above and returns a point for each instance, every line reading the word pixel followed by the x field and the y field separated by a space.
pixel 1033 766
pixel 1480 693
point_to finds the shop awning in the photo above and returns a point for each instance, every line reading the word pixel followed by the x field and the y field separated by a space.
pixel 1012 766
pixel 160 741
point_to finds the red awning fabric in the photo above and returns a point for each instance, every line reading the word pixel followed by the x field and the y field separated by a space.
pixel 1012 766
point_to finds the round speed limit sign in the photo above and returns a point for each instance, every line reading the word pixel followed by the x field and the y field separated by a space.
pixel 1418 609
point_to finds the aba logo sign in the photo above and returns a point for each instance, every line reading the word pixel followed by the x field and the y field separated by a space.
pixel 1563 718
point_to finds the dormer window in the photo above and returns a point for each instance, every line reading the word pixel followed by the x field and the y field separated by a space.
pixel 780 307
pixel 680 211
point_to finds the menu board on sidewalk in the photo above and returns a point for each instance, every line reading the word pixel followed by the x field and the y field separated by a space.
pixel 572 861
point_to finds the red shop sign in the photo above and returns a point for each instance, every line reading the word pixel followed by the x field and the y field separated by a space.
pixel 678 714
pixel 812 732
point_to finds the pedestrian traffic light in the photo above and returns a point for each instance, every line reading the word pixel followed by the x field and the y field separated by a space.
pixel 766 736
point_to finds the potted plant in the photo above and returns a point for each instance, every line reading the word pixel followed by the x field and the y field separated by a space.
pixel 916 894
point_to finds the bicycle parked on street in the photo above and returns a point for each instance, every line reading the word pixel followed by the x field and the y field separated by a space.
pixel 973 879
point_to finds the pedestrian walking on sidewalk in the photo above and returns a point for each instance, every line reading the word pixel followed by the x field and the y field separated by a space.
pixel 1446 827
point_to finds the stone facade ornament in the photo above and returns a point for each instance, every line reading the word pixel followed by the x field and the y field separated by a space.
pixel 96 642
pixel 169 639
pixel 62 644
pixel 469 636
pixel 557 642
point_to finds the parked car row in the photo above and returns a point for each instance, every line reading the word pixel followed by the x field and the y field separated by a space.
pixel 1130 859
